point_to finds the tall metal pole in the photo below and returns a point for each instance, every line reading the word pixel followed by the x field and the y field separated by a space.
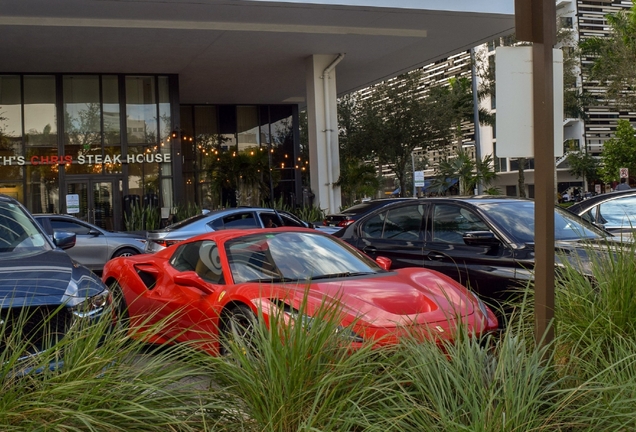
pixel 413 164
pixel 473 75
pixel 536 22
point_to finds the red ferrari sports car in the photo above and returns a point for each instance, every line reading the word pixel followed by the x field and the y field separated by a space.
pixel 212 281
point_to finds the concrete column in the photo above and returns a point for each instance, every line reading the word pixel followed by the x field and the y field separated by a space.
pixel 322 119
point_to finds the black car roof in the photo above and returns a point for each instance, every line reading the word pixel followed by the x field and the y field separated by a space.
pixel 371 204
pixel 477 199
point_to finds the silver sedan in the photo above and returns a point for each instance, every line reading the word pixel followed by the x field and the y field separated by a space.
pixel 239 217
pixel 94 246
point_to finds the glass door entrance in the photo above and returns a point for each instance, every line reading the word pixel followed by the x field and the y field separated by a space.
pixel 97 201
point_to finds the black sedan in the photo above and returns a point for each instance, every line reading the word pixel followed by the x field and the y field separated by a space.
pixel 42 290
pixel 614 211
pixel 350 215
pixel 486 243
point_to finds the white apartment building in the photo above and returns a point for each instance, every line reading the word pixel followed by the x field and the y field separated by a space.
pixel 577 20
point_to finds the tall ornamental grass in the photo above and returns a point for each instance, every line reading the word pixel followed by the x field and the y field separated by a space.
pixel 301 377
pixel 97 379
pixel 304 376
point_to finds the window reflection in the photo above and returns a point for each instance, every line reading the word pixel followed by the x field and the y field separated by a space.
pixel 247 127
pixel 250 149
pixel 42 188
pixel 40 119
pixel 141 110
pixel 165 124
pixel 82 122
pixel 110 107
pixel 10 136
pixel 111 120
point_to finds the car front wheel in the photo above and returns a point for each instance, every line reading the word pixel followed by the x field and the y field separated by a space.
pixel 238 325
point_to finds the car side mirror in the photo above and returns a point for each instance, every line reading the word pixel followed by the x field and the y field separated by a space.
pixel 64 240
pixel 94 232
pixel 384 262
pixel 480 238
pixel 191 279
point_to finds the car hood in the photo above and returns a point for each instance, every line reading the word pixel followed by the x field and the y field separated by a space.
pixel 400 298
pixel 45 278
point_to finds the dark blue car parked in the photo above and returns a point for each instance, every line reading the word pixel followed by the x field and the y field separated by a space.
pixel 42 290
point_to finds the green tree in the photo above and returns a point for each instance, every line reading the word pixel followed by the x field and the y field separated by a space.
pixel 245 173
pixel 614 57
pixel 583 164
pixel 358 176
pixel 467 171
pixel 399 117
pixel 357 180
pixel 619 152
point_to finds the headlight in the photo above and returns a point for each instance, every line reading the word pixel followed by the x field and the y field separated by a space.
pixel 92 306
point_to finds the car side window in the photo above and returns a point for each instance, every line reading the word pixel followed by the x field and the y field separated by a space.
pixel 69 226
pixel 240 220
pixel 201 257
pixel 216 224
pixel 373 227
pixel 590 215
pixel 289 221
pixel 269 220
pixel 617 213
pixel 450 222
pixel 402 223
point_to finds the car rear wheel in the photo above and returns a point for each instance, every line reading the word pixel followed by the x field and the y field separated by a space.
pixel 125 252
pixel 238 325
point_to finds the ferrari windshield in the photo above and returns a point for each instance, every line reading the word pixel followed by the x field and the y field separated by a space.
pixel 19 235
pixel 293 256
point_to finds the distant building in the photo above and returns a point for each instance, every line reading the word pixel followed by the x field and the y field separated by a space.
pixel 576 21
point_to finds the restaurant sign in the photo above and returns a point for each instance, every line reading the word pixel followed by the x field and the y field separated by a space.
pixel 86 159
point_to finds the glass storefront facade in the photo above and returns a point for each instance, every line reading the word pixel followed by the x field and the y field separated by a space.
pixel 102 139
pixel 241 154
pixel 108 142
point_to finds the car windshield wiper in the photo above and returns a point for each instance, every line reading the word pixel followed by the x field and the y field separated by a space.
pixel 273 279
pixel 342 274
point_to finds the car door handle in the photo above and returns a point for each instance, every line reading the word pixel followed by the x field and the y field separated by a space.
pixel 435 256
pixel 370 250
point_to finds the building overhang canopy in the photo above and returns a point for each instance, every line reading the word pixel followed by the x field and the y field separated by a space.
pixel 235 52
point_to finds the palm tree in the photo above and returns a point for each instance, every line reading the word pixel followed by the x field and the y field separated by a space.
pixel 467 171
pixel 357 180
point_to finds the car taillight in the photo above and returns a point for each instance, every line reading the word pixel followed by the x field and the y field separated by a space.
pixel 166 243
pixel 345 222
